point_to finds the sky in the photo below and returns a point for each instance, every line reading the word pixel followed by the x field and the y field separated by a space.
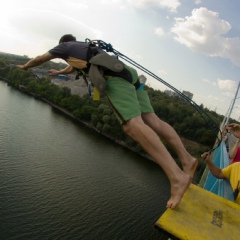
pixel 193 45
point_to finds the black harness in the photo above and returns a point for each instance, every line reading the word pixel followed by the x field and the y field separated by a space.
pixel 124 74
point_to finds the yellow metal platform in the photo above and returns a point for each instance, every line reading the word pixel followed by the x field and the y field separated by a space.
pixel 202 215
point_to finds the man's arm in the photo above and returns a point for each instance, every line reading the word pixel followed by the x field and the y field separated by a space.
pixel 234 150
pixel 216 172
pixel 36 61
pixel 69 69
pixel 234 129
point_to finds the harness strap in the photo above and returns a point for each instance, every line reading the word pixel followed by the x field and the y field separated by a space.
pixel 108 62
pixel 103 64
pixel 124 74
pixel 93 51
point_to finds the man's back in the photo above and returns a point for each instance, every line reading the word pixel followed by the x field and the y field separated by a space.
pixel 76 54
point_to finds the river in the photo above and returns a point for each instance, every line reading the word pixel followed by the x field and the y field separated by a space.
pixel 61 180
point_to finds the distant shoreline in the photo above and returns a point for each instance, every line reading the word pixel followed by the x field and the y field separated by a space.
pixel 67 113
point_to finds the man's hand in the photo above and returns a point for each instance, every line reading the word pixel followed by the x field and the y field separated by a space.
pixel 216 172
pixel 53 72
pixel 234 129
pixel 206 156
pixel 23 67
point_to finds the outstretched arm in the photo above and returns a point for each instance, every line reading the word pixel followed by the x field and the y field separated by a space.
pixel 67 70
pixel 216 172
pixel 36 61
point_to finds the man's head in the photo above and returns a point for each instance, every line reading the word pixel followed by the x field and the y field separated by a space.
pixel 67 38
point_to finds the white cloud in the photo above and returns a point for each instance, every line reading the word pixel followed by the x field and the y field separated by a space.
pixel 213 98
pixel 164 4
pixel 159 32
pixel 54 24
pixel 208 81
pixel 232 50
pixel 198 2
pixel 44 34
pixel 227 85
pixel 75 5
pixel 204 32
pixel 162 73
pixel 209 100
pixel 228 94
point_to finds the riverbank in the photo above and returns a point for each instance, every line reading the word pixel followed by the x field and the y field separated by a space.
pixel 70 115
pixel 67 113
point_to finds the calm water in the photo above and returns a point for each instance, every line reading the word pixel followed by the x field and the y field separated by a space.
pixel 61 180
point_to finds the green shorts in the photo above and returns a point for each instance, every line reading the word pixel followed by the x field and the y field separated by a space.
pixel 125 100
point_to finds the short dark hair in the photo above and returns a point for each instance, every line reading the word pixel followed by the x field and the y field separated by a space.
pixel 67 38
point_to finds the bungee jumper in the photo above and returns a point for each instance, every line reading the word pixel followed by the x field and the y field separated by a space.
pixel 131 104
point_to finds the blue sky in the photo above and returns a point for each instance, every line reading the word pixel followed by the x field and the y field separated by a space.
pixel 194 45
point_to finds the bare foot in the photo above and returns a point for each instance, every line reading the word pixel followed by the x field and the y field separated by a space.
pixel 191 167
pixel 177 190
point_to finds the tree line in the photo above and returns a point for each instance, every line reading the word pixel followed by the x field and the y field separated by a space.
pixel 176 111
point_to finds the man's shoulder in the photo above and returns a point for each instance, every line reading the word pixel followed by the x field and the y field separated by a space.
pixel 231 166
pixel 77 43
pixel 67 45
pixel 236 165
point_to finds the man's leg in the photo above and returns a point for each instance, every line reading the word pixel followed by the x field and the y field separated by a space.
pixel 152 144
pixel 164 130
